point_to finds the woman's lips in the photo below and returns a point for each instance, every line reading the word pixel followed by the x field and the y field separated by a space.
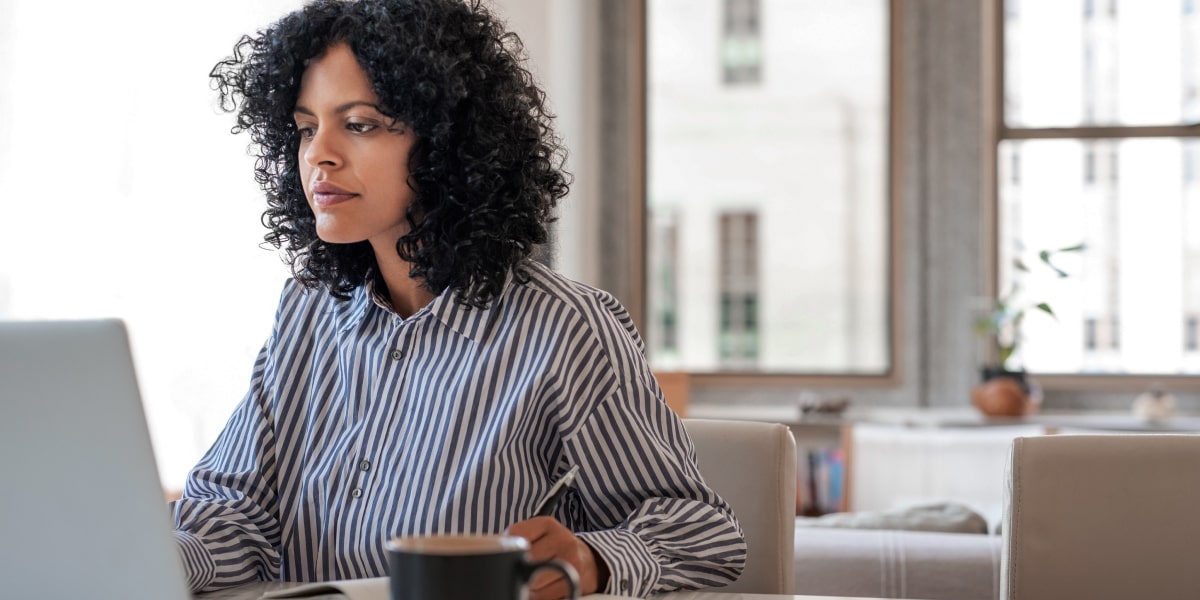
pixel 326 194
pixel 325 199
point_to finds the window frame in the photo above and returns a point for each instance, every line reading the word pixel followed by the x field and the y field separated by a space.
pixel 889 378
pixel 998 131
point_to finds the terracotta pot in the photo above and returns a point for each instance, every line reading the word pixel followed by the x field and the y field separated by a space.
pixel 990 373
pixel 1001 397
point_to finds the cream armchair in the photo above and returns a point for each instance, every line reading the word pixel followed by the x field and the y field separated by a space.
pixel 753 467
pixel 1102 517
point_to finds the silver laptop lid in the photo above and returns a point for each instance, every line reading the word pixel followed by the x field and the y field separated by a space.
pixel 82 513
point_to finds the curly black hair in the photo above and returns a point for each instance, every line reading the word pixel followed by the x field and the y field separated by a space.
pixel 486 169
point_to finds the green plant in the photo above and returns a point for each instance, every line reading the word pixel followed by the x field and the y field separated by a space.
pixel 1002 325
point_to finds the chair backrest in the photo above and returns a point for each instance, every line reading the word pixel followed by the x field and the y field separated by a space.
pixel 752 466
pixel 1102 517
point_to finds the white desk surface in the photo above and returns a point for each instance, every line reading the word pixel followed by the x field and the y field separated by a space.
pixel 252 591
pixel 727 596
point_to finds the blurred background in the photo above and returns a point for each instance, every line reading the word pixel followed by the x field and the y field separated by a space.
pixel 789 195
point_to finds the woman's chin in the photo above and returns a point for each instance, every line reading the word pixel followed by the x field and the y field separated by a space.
pixel 332 232
pixel 337 237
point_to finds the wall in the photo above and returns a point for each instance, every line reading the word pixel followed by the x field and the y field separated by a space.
pixel 560 38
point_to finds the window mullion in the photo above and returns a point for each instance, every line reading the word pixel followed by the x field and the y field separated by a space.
pixel 1099 132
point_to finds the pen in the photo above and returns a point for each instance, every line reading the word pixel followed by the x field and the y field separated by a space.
pixel 550 502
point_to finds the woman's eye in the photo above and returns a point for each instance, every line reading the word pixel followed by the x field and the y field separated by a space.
pixel 360 127
pixel 306 133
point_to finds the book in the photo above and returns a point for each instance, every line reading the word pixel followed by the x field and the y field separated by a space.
pixel 375 588
pixel 821 481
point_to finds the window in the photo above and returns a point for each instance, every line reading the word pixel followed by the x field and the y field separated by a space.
pixel 664 322
pixel 741 43
pixel 126 196
pixel 1089 163
pixel 1099 103
pixel 768 206
pixel 738 284
pixel 1189 162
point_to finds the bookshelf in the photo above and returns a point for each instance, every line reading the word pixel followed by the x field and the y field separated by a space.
pixel 823 452
pixel 822 469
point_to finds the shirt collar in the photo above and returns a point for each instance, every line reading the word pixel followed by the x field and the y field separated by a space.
pixel 471 322
pixel 468 321
pixel 361 300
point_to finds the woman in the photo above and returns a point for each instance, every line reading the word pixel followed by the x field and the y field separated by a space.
pixel 424 375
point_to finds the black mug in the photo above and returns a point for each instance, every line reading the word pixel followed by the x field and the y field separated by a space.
pixel 466 567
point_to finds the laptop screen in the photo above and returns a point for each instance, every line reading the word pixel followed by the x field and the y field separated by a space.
pixel 82 513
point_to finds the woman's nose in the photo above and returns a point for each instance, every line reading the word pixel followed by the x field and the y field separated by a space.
pixel 322 150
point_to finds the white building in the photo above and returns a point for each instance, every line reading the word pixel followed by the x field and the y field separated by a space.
pixel 767 185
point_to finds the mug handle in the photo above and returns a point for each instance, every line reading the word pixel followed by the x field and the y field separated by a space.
pixel 566 569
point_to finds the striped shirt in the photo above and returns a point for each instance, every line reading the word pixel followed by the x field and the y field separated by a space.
pixel 360 425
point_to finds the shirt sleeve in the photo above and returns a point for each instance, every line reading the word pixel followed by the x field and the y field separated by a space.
pixel 663 528
pixel 227 522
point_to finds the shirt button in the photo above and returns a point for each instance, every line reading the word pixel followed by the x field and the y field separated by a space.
pixel 364 465
pixel 624 585
pixel 396 320
pixel 356 493
pixel 397 354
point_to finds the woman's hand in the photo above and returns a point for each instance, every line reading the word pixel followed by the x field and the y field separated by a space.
pixel 549 539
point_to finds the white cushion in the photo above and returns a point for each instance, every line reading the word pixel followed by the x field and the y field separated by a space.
pixel 897 564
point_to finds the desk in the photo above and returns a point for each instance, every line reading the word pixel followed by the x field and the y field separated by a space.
pixel 251 591
pixel 723 596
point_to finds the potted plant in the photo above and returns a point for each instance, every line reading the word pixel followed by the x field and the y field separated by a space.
pixel 1005 391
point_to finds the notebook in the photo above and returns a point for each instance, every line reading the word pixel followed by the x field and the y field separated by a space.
pixel 82 513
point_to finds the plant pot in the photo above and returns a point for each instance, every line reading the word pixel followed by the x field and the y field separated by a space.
pixel 990 373
pixel 1002 394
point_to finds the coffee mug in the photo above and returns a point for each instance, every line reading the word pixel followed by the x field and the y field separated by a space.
pixel 466 567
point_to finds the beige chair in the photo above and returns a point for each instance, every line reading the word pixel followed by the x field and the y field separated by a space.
pixel 1102 517
pixel 753 467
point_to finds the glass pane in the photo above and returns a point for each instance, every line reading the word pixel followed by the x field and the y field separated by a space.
pixel 1128 299
pixel 767 205
pixel 1101 62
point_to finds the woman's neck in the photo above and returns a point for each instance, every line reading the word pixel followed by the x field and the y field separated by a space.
pixel 405 293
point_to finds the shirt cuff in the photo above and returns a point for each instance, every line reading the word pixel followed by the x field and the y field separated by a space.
pixel 198 564
pixel 632 569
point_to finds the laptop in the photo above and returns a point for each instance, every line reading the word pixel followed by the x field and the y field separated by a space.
pixel 82 513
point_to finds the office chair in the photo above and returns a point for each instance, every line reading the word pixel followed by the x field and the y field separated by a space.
pixel 752 466
pixel 1102 517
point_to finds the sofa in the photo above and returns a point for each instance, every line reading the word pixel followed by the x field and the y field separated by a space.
pixel 847 555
